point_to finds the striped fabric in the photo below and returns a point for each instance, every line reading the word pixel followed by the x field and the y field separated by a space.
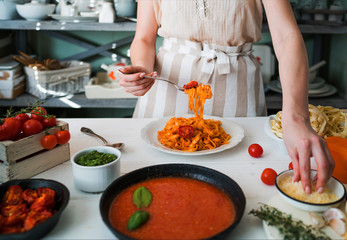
pixel 233 73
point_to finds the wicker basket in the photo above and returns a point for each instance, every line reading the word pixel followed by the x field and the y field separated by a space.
pixel 58 83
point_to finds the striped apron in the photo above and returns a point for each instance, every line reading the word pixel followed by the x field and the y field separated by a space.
pixel 232 72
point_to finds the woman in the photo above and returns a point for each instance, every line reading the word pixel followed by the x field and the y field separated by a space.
pixel 210 41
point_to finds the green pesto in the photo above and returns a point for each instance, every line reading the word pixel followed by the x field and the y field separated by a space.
pixel 95 158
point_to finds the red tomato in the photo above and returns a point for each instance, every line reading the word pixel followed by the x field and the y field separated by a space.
pixel 255 150
pixel 10 129
pixel 23 117
pixel 186 131
pixel 268 176
pixel 49 122
pixel 49 141
pixel 191 84
pixel 63 136
pixel 290 166
pixel 31 127
pixel 38 113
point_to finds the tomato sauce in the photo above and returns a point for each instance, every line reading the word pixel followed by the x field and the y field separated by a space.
pixel 181 208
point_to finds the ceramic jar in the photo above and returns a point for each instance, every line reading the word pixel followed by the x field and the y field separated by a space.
pixel 107 13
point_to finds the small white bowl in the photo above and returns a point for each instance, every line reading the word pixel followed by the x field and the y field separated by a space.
pixel 35 11
pixel 333 184
pixel 95 179
pixel 268 131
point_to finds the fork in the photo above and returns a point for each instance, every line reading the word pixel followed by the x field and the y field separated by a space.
pixel 165 80
pixel 161 79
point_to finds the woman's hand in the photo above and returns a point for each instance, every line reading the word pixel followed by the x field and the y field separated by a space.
pixel 133 82
pixel 302 143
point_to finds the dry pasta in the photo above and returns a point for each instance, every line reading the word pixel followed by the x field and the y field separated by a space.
pixel 207 133
pixel 326 121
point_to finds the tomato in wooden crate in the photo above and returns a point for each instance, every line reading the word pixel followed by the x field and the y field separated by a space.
pixel 26 157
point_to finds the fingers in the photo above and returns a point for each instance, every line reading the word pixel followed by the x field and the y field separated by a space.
pixel 325 164
pixel 304 153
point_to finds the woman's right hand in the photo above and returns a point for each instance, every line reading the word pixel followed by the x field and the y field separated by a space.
pixel 133 82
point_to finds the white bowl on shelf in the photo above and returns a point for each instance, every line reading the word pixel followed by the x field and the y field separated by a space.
pixel 35 11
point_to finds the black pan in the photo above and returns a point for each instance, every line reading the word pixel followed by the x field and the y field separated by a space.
pixel 221 181
pixel 62 197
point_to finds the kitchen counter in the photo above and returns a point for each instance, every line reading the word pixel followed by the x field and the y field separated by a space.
pixel 81 219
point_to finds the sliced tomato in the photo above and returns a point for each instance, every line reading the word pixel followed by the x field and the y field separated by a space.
pixel 191 84
pixel 186 131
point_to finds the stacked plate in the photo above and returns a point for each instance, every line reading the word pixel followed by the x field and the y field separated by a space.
pixel 317 88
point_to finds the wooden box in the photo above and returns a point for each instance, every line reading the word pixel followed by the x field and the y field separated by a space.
pixel 26 157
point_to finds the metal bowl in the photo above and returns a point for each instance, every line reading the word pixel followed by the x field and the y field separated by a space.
pixel 217 179
pixel 61 197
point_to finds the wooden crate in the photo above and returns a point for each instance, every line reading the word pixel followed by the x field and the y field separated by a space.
pixel 26 157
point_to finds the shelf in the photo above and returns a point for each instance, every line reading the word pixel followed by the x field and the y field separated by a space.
pixel 73 101
pixel 131 26
pixel 67 26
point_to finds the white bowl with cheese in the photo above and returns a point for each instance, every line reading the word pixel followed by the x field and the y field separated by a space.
pixel 292 192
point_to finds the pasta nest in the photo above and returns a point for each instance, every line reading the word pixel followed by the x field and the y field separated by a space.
pixel 326 121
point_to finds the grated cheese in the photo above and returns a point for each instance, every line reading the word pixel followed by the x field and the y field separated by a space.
pixel 295 190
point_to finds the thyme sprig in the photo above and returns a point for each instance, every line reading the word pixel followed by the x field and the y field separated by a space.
pixel 290 228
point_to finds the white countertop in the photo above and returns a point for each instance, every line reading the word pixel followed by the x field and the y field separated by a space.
pixel 81 219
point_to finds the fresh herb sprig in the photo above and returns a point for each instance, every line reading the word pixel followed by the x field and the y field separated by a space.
pixel 31 106
pixel 286 225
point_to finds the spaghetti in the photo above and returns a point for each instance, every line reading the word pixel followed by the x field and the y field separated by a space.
pixel 206 134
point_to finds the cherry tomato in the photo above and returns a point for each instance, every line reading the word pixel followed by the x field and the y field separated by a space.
pixel 38 113
pixel 49 122
pixel 191 84
pixel 290 166
pixel 268 176
pixel 49 141
pixel 63 136
pixel 255 150
pixel 186 131
pixel 31 127
pixel 10 129
pixel 23 117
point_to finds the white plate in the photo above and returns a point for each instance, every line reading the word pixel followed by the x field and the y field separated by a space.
pixel 277 202
pixel 268 131
pixel 73 18
pixel 150 136
pixel 324 91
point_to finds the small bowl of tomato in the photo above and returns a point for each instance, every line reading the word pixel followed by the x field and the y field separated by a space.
pixel 94 168
pixel 333 195
pixel 31 208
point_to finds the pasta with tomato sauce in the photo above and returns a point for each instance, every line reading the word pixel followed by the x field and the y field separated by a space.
pixel 195 133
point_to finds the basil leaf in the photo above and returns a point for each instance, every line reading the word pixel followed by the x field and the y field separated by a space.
pixel 137 219
pixel 142 197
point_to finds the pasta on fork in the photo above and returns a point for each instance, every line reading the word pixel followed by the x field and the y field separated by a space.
pixel 195 133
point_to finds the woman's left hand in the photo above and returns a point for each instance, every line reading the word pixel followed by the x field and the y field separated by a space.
pixel 302 143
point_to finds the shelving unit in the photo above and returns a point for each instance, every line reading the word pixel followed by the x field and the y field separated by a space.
pixel 56 29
